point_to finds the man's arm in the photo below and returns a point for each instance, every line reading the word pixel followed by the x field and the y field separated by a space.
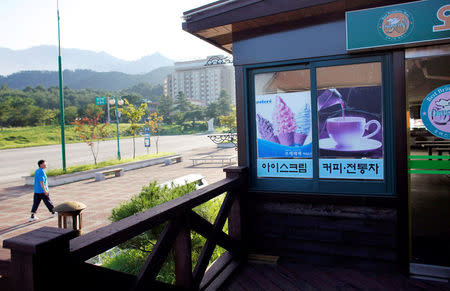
pixel 43 187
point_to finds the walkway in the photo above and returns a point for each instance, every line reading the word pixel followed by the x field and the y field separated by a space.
pixel 100 197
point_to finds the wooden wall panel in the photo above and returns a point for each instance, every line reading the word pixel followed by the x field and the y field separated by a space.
pixel 348 235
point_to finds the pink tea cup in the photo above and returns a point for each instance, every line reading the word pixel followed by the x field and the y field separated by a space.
pixel 349 131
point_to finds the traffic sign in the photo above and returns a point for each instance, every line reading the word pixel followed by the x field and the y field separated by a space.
pixel 147 137
pixel 99 100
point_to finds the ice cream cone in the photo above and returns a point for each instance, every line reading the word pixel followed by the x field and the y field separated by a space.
pixel 299 138
pixel 265 129
pixel 284 122
pixel 286 138
pixel 274 139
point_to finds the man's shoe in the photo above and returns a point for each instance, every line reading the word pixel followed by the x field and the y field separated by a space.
pixel 33 218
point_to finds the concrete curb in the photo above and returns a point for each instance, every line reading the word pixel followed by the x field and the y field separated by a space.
pixel 79 176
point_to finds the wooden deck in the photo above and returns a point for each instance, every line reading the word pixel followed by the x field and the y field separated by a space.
pixel 289 276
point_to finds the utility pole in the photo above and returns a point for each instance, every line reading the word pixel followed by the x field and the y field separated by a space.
pixel 61 98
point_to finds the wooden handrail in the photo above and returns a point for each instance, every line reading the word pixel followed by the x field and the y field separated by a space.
pixel 37 251
pixel 102 239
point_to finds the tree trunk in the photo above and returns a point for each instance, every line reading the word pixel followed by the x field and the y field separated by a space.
pixel 157 149
pixel 93 153
pixel 134 147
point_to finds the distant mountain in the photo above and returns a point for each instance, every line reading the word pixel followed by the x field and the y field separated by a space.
pixel 46 58
pixel 83 79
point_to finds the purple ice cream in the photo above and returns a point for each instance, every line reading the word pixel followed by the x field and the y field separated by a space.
pixel 284 122
pixel 265 129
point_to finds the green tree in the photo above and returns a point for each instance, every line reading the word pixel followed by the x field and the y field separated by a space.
pixel 197 113
pixel 134 115
pixel 229 120
pixel 224 102
pixel 165 108
pixel 49 116
pixel 70 113
pixel 213 111
pixel 182 103
pixel 133 98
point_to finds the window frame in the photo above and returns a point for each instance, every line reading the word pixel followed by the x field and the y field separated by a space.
pixel 385 187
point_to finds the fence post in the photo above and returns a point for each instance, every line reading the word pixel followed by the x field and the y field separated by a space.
pixel 183 256
pixel 40 258
pixel 236 218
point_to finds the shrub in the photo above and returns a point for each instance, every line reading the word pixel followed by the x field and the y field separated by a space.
pixel 132 254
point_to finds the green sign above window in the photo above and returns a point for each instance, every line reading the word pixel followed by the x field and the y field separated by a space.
pixel 398 25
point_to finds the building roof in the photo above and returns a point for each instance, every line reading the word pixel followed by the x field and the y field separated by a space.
pixel 222 22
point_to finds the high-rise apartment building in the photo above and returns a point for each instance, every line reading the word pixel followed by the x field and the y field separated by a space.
pixel 202 80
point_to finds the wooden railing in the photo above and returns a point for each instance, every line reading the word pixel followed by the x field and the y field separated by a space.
pixel 4 274
pixel 49 257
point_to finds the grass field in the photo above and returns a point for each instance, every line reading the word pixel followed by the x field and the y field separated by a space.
pixel 20 137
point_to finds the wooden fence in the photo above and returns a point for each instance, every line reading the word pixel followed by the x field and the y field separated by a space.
pixel 51 258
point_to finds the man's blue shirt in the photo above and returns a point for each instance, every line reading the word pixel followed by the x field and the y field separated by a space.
pixel 40 176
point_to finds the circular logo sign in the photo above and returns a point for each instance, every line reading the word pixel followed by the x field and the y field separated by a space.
pixel 395 25
pixel 435 112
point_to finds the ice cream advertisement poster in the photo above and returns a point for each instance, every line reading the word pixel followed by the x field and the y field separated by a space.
pixel 284 125
pixel 284 135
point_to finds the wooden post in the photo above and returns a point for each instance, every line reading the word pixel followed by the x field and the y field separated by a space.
pixel 183 257
pixel 39 258
pixel 74 221
pixel 236 218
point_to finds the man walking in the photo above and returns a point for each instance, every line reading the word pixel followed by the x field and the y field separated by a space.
pixel 41 190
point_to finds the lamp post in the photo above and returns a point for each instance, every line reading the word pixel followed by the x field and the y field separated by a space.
pixel 109 117
pixel 61 99
pixel 117 102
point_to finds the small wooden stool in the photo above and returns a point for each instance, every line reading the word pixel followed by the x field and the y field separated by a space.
pixel 70 209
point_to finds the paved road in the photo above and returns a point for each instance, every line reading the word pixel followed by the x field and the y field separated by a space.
pixel 16 163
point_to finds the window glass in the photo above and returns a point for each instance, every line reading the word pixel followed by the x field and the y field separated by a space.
pixel 350 120
pixel 283 121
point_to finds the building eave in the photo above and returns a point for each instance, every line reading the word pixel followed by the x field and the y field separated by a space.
pixel 222 22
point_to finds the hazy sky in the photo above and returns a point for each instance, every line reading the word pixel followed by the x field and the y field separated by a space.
pixel 127 29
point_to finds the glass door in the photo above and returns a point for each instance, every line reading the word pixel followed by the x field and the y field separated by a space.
pixel 428 98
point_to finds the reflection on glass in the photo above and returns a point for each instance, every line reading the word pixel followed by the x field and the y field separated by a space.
pixel 283 120
pixel 427 70
pixel 349 100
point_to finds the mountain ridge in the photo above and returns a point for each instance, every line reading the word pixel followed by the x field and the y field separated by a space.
pixel 45 58
pixel 85 79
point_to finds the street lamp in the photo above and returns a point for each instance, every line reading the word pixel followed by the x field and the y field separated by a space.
pixel 117 102
pixel 61 98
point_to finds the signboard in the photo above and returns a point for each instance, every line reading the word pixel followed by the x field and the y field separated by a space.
pixel 284 143
pixel 147 137
pixel 100 101
pixel 350 133
pixel 435 112
pixel 366 169
pixel 397 25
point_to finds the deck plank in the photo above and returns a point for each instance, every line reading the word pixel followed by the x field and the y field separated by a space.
pixel 258 276
pixel 291 276
pixel 276 276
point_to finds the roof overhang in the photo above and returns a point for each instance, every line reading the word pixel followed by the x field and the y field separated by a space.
pixel 222 22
